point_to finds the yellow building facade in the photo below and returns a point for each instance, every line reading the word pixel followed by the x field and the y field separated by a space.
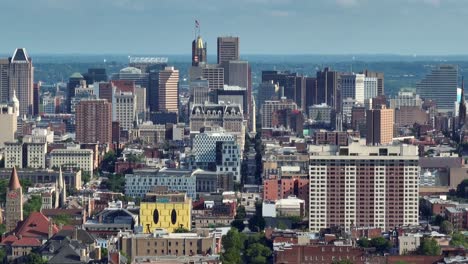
pixel 167 215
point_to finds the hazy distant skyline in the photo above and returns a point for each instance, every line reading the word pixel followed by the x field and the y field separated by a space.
pixel 422 27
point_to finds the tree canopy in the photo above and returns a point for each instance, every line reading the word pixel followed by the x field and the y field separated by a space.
pixel 429 247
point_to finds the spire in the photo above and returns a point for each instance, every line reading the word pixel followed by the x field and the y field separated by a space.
pixel 14 180
pixel 60 179
pixel 462 106
pixel 63 197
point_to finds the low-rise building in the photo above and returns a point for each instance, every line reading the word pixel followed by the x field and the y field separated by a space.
pixel 73 157
pixel 165 210
pixel 408 244
pixel 142 181
pixel 161 244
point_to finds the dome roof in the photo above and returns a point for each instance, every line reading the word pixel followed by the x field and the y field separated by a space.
pixel 76 75
pixel 130 70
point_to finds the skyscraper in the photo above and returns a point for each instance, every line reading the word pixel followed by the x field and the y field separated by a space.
pixel 236 73
pixel 94 121
pixel 328 88
pixel 310 92
pixel 371 85
pixel 380 126
pixel 380 80
pixel 169 90
pixel 20 79
pixel 198 51
pixel 440 86
pixel 4 86
pixel 36 95
pixel 267 91
pixel 124 109
pixel 228 49
pixel 73 82
pixel 14 202
pixel 352 86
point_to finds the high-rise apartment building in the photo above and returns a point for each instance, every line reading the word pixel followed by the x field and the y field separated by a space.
pixel 20 80
pixel 94 121
pixel 228 49
pixel 124 109
pixel 352 86
pixel 270 107
pixel 363 186
pixel 169 90
pixel 380 126
pixel 440 86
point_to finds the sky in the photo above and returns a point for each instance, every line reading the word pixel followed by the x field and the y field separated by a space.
pixel 164 27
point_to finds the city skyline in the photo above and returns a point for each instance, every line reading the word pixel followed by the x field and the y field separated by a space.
pixel 263 26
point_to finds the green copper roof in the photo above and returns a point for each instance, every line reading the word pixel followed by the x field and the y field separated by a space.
pixel 76 75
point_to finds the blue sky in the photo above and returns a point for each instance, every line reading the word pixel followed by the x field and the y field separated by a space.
pixel 431 27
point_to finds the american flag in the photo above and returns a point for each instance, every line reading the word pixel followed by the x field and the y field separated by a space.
pixel 197 24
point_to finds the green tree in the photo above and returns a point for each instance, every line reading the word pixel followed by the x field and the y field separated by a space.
pixel 424 209
pixel 231 256
pixel 238 224
pixel 63 219
pixel 3 255
pixel 108 162
pixel 85 177
pixel 257 222
pixel 257 253
pixel 446 227
pixel 364 242
pixel 181 230
pixel 381 244
pixel 438 219
pixel 34 258
pixel 33 205
pixel 344 261
pixel 458 239
pixel 240 212
pixel 2 228
pixel 462 189
pixel 282 225
pixel 233 240
pixel 104 253
pixel 429 247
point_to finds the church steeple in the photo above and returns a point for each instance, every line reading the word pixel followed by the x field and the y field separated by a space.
pixel 462 107
pixel 14 202
pixel 14 180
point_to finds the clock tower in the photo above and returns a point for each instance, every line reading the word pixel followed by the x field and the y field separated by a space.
pixel 14 202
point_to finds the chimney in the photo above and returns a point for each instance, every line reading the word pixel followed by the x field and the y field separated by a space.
pixel 97 253
pixel 75 233
pixel 51 228
pixel 83 257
